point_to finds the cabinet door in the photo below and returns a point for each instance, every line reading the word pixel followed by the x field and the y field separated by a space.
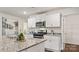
pixel 31 22
pixel 55 43
pixel 53 20
pixel 47 43
pixel 40 18
pixel 52 43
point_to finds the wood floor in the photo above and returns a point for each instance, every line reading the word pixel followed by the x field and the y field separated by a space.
pixel 71 48
pixel 68 48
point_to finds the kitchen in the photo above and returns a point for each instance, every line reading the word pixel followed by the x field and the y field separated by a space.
pixel 44 29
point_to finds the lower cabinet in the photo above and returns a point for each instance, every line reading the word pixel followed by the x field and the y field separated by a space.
pixel 53 43
pixel 36 48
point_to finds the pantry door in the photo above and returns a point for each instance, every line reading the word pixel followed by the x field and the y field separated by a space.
pixel 71 29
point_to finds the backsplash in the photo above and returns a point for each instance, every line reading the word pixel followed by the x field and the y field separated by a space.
pixel 49 30
pixel 55 30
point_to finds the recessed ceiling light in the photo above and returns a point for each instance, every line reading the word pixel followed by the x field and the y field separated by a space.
pixel 25 12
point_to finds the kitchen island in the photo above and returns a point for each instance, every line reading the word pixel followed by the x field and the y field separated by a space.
pixel 29 45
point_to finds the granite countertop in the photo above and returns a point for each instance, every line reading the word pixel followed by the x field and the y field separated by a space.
pixel 17 46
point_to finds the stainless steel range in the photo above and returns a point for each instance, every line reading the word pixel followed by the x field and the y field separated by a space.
pixel 39 34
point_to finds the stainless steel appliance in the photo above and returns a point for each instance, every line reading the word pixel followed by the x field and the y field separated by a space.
pixel 40 34
pixel 41 24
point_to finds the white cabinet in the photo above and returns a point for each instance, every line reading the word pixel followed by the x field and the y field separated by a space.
pixel 52 43
pixel 31 22
pixel 53 20
pixel 33 19
pixel 41 17
pixel 36 48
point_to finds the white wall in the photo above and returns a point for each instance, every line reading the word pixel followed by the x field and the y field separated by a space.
pixel 71 29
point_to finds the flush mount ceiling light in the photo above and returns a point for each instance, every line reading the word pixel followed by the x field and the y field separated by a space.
pixel 24 12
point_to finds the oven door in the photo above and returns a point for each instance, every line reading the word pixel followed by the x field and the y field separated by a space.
pixel 38 35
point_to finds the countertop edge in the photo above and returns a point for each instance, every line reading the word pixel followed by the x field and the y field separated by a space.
pixel 31 46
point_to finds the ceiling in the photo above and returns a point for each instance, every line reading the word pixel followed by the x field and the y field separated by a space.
pixel 19 11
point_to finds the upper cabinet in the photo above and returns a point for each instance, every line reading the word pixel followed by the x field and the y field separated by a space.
pixel 40 18
pixel 53 20
pixel 31 22
pixel 33 19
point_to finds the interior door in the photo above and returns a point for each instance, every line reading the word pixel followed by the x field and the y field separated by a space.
pixel 71 29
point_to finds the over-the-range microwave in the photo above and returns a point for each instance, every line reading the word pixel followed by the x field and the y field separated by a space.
pixel 41 24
